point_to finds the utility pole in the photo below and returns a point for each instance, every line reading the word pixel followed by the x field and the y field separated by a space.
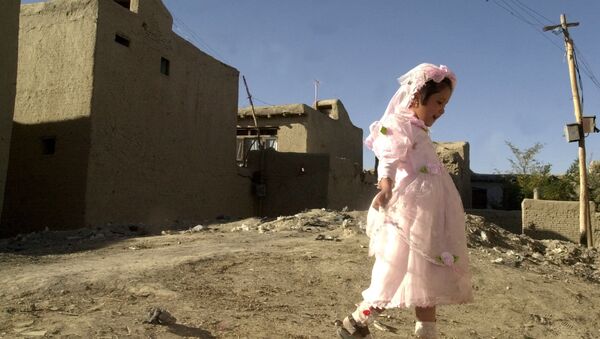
pixel 585 229
pixel 258 143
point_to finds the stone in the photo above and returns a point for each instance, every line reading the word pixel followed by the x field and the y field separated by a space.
pixel 160 316
pixel 199 228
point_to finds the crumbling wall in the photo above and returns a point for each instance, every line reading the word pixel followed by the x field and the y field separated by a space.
pixel 550 219
pixel 455 157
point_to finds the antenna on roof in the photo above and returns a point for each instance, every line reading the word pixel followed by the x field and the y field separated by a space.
pixel 317 83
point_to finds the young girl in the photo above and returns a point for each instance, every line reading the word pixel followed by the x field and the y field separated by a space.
pixel 416 222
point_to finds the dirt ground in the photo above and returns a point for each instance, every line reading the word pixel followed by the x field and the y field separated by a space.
pixel 289 277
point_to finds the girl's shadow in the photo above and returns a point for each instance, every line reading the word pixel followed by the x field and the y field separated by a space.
pixel 190 332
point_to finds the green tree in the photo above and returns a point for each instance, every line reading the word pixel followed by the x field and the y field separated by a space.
pixel 525 161
pixel 531 173
pixel 572 177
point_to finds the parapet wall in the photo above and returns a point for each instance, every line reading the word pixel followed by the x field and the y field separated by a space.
pixel 550 219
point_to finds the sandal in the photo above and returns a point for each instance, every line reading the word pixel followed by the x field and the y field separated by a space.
pixel 350 329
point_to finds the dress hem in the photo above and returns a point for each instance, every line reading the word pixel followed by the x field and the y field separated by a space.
pixel 420 303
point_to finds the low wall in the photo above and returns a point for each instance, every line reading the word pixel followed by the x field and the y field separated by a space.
pixel 508 220
pixel 287 183
pixel 349 185
pixel 550 219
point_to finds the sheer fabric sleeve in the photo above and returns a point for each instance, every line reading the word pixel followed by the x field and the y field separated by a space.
pixel 390 141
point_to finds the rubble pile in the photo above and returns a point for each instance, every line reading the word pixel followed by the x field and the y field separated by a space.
pixel 315 220
pixel 70 238
pixel 550 257
pixel 554 258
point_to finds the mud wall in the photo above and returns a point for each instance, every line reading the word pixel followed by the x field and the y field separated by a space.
pixel 549 219
pixel 9 26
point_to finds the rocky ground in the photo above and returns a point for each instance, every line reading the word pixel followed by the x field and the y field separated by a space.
pixel 289 277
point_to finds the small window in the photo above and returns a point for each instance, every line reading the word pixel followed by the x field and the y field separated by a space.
pixel 326 109
pixel 48 145
pixel 165 66
pixel 124 3
pixel 120 39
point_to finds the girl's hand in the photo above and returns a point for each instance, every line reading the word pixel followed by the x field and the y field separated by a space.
pixel 384 196
pixel 382 199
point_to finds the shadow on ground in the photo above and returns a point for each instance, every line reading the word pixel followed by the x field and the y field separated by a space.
pixel 86 239
pixel 190 332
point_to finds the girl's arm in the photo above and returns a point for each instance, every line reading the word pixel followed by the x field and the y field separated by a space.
pixel 385 193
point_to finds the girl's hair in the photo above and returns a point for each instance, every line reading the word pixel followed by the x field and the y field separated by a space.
pixel 431 87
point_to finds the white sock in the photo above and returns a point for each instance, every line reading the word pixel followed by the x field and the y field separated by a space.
pixel 360 317
pixel 365 315
pixel 426 330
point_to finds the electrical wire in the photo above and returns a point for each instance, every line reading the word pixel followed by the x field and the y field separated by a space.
pixel 185 30
pixel 519 10
pixel 587 69
pixel 578 78
pixel 531 10
pixel 261 101
pixel 512 11
pixel 507 7
pixel 179 24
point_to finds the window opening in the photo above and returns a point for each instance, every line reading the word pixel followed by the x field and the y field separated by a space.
pixel 165 66
pixel 252 131
pixel 120 39
pixel 48 145
pixel 246 142
pixel 124 3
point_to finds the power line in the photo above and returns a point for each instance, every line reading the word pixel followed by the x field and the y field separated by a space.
pixel 507 7
pixel 179 24
pixel 510 10
pixel 185 29
pixel 531 10
pixel 519 10
pixel 264 102
pixel 587 69
pixel 578 78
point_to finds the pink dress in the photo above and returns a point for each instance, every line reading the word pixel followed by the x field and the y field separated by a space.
pixel 419 240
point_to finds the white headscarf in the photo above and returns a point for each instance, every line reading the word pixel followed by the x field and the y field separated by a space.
pixel 410 84
pixel 413 81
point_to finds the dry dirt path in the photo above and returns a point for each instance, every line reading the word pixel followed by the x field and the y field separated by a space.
pixel 277 284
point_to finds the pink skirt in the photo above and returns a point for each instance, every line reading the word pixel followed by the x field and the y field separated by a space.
pixel 419 244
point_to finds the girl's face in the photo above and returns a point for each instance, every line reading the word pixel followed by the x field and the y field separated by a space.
pixel 433 108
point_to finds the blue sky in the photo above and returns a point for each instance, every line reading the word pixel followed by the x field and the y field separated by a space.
pixel 513 81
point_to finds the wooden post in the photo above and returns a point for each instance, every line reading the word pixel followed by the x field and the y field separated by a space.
pixel 585 229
